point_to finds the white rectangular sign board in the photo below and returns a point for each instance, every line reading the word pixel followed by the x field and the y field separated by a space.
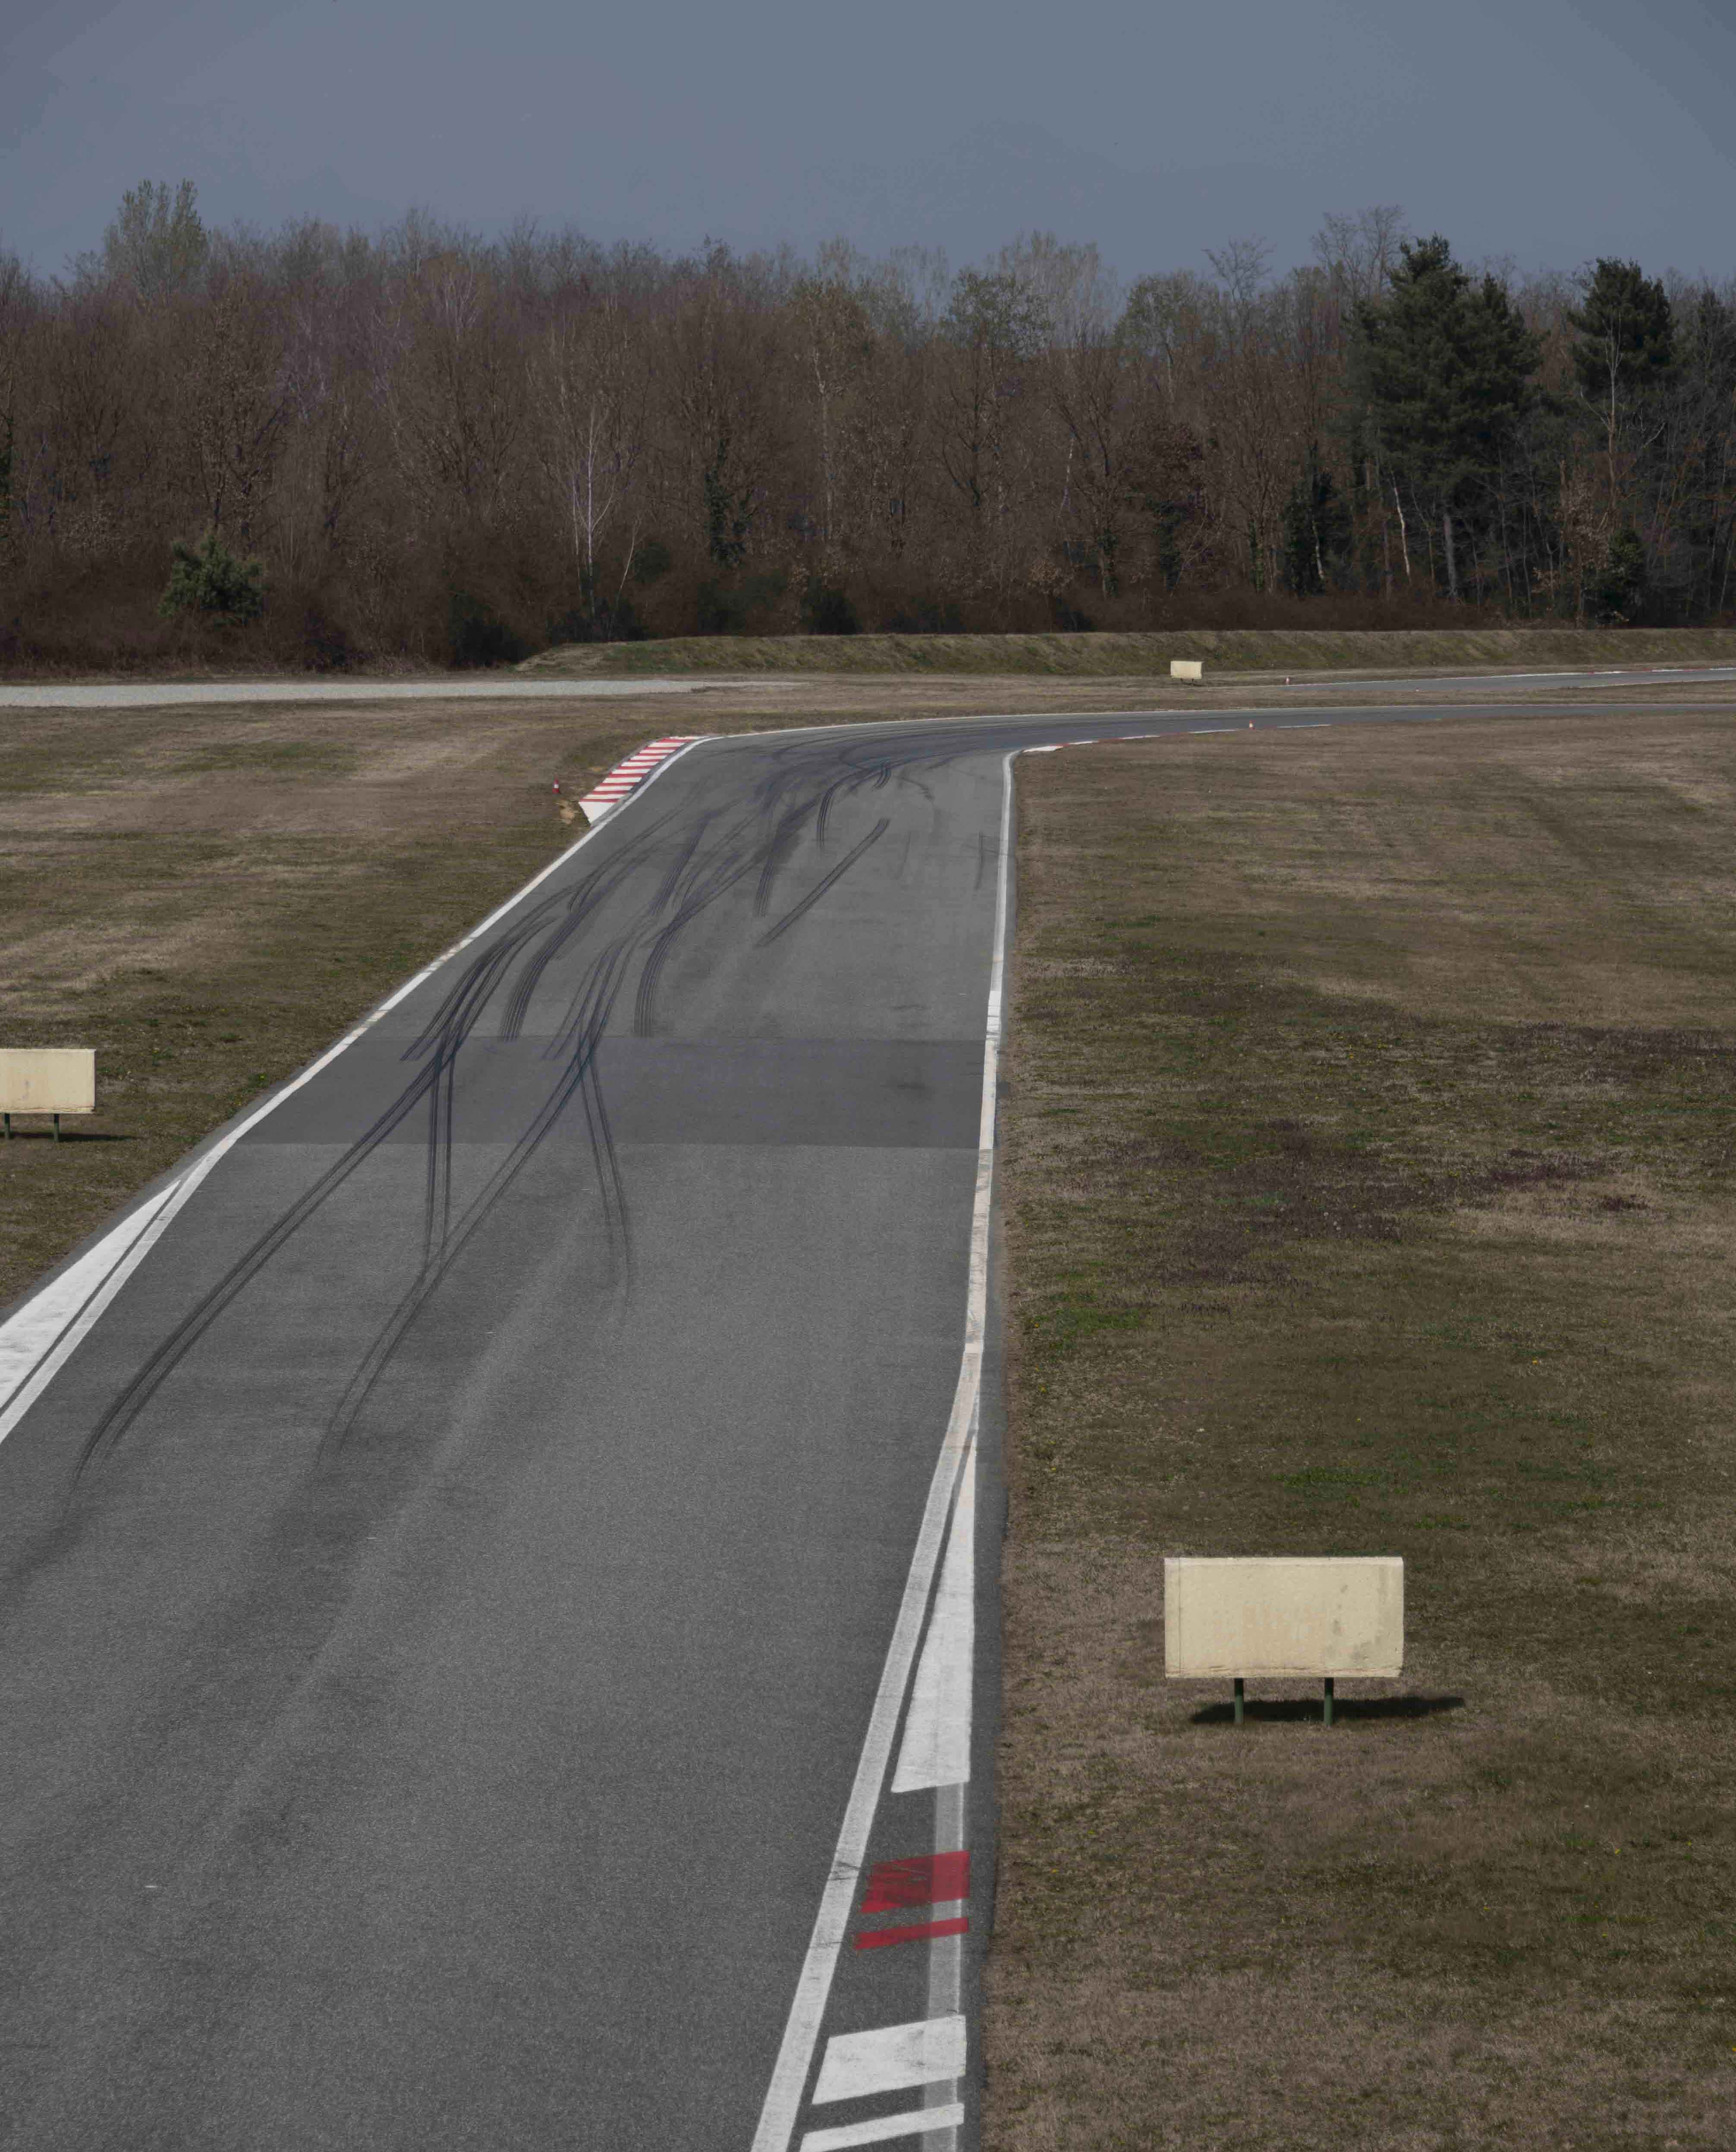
pixel 48 1079
pixel 1285 1616
pixel 1186 668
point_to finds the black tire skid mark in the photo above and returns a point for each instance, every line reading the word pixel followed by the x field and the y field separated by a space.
pixel 442 1257
pixel 694 880
pixel 168 1355
pixel 800 909
pixel 702 895
pixel 873 763
pixel 587 1019
pixel 442 1036
pixel 580 905
pixel 784 841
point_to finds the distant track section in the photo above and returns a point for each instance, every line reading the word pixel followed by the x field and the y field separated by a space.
pixel 626 776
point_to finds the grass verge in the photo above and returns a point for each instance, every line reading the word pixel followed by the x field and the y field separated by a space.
pixel 1369 1142
pixel 1132 657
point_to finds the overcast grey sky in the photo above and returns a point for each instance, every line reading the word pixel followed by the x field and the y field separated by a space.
pixel 1551 130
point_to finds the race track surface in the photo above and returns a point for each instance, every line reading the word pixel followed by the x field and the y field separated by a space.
pixel 448 1597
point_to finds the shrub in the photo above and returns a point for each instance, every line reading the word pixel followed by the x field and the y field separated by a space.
pixel 608 623
pixel 211 581
pixel 827 609
pixel 476 636
pixel 1618 595
pixel 925 616
pixel 651 560
pixel 730 608
pixel 302 631
pixel 325 646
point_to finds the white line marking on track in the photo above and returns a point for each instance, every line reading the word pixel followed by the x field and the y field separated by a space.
pixel 39 1340
pixel 936 1750
pixel 946 1964
pixel 813 1984
pixel 892 2058
pixel 48 1330
pixel 879 2127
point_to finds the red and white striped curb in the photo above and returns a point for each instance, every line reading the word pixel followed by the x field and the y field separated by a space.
pixel 624 775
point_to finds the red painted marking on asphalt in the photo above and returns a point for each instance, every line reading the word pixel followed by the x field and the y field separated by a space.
pixel 877 1938
pixel 931 1878
pixel 611 790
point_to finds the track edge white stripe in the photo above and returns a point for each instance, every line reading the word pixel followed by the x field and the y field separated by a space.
pixel 783 2100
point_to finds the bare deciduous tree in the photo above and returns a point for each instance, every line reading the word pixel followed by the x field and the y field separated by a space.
pixel 400 423
pixel 237 398
pixel 590 385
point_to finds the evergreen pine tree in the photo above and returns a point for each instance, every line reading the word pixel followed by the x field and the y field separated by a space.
pixel 1446 370
pixel 209 580
pixel 1705 389
pixel 1627 336
pixel 1625 359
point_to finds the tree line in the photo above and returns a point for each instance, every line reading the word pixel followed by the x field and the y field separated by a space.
pixel 334 448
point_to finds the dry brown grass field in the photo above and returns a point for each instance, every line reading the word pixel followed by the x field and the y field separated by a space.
pixel 1369 1138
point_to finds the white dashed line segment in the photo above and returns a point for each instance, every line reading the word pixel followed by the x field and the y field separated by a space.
pixel 936 1750
pixel 892 2058
pixel 880 2128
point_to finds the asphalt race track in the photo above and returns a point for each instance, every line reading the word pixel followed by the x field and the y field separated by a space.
pixel 489 1588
